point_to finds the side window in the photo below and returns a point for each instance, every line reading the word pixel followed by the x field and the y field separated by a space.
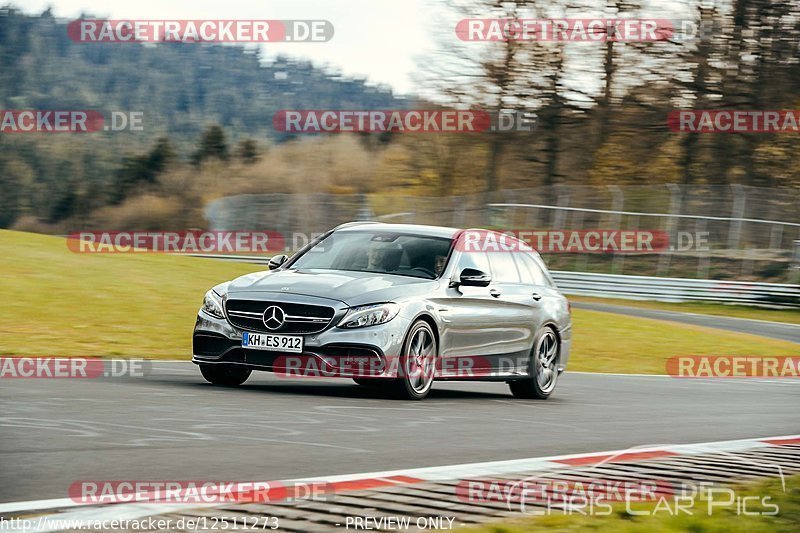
pixel 531 272
pixel 504 269
pixel 548 279
pixel 476 260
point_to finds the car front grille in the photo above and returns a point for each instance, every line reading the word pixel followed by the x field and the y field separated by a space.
pixel 298 318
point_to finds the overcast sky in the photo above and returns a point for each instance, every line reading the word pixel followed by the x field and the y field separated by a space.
pixel 384 41
pixel 375 39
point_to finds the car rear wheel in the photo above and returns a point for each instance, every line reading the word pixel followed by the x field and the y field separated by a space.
pixel 542 368
pixel 417 363
pixel 225 375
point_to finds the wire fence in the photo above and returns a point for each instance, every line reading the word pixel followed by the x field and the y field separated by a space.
pixel 720 232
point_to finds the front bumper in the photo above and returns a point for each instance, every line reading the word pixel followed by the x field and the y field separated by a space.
pixel 334 352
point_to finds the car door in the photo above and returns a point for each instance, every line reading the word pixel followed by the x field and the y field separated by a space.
pixel 518 313
pixel 468 330
pixel 552 307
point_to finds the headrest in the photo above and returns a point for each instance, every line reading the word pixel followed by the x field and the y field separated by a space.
pixel 391 259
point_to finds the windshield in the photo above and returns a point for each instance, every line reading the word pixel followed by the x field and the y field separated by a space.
pixel 381 252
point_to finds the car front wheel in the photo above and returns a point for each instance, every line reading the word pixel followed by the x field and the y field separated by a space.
pixel 417 363
pixel 226 375
pixel 542 368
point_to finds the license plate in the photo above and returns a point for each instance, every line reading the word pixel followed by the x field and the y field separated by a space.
pixel 278 343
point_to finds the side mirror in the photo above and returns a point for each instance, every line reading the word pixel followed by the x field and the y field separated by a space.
pixel 472 277
pixel 277 261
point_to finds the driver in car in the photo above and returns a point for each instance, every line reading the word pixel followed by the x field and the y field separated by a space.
pixel 379 257
pixel 439 263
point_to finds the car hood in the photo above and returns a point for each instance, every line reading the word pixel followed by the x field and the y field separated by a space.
pixel 351 288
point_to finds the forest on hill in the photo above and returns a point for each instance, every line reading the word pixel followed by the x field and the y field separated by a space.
pixel 601 117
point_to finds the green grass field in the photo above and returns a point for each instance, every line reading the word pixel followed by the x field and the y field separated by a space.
pixel 659 519
pixel 57 302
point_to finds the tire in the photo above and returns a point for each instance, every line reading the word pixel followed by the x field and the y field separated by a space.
pixel 225 375
pixel 366 382
pixel 417 363
pixel 542 368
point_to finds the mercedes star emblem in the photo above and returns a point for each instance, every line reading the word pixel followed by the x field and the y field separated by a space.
pixel 273 317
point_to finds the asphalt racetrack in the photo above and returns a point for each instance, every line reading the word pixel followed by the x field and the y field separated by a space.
pixel 173 425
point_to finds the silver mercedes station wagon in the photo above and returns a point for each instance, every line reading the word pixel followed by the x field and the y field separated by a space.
pixel 394 306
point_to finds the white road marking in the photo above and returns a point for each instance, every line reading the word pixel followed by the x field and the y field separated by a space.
pixel 437 473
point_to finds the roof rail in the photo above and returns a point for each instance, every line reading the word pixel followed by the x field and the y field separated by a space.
pixel 493 231
pixel 355 223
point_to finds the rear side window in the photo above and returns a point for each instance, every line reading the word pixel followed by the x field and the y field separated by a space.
pixel 530 270
pixel 504 269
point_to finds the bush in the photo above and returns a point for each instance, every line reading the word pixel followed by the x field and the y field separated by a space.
pixel 142 213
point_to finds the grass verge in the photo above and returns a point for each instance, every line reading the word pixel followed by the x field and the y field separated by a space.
pixel 607 342
pixel 56 302
pixel 789 316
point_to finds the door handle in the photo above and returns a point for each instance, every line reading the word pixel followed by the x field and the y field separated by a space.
pixel 536 296
pixel 495 293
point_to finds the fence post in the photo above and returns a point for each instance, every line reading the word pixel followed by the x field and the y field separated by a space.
pixel 776 236
pixel 675 207
pixel 559 215
pixel 577 224
pixel 617 203
pixel 364 211
pixel 703 256
pixel 735 231
pixel 458 211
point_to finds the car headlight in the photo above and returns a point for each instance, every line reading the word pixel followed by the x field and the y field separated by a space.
pixel 212 304
pixel 369 315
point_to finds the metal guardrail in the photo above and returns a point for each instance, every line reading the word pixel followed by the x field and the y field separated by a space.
pixel 677 289
pixel 646 288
